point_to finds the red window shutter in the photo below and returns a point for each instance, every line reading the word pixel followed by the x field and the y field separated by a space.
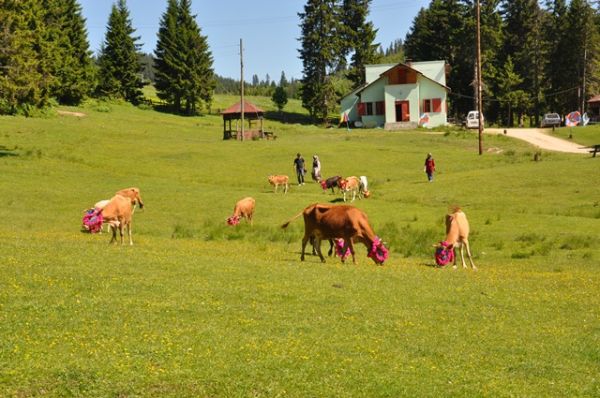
pixel 361 109
pixel 380 108
pixel 437 104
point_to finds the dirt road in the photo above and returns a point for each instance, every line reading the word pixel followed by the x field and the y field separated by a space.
pixel 541 139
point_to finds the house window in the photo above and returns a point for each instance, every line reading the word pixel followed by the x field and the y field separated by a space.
pixel 380 108
pixel 369 108
pixel 427 105
pixel 437 104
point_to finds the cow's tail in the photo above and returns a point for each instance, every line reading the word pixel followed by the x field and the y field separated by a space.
pixel 285 225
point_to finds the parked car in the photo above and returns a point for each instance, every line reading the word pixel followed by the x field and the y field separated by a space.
pixel 472 120
pixel 551 120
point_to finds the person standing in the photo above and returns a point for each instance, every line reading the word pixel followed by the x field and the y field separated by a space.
pixel 316 169
pixel 300 170
pixel 429 167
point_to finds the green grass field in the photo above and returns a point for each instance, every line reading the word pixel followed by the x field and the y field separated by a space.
pixel 199 309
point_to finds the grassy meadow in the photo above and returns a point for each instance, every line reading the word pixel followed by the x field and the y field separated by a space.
pixel 200 309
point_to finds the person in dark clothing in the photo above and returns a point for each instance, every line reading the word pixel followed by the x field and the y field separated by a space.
pixel 429 167
pixel 300 170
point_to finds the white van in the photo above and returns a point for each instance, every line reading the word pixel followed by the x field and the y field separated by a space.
pixel 472 120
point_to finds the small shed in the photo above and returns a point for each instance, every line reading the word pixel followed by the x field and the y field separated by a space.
pixel 252 113
pixel 594 108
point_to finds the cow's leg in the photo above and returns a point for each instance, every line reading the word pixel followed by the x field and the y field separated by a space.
pixel 113 229
pixel 454 252
pixel 121 226
pixel 318 246
pixel 351 246
pixel 469 254
pixel 276 188
pixel 330 252
pixel 287 186
pixel 462 255
pixel 129 232
pixel 304 241
pixel 353 195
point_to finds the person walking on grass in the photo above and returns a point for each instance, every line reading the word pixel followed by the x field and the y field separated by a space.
pixel 300 170
pixel 316 169
pixel 429 167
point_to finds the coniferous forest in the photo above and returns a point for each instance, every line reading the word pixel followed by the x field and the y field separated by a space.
pixel 537 56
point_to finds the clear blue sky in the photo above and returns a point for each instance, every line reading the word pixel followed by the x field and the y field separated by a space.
pixel 269 29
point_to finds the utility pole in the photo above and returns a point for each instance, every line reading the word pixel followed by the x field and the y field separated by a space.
pixel 242 88
pixel 479 87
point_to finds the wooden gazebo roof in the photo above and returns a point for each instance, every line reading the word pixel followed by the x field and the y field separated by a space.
pixel 251 111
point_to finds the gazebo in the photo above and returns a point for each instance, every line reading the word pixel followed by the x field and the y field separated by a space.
pixel 251 113
pixel 594 108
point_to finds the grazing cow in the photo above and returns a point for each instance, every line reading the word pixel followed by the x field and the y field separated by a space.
pixel 118 213
pixel 132 193
pixel 244 208
pixel 331 182
pixel 325 221
pixel 457 235
pixel 276 181
pixel 350 184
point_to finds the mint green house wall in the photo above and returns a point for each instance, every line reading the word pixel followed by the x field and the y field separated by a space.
pixel 401 92
pixel 430 90
pixel 373 93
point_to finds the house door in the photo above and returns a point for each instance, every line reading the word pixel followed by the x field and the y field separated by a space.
pixel 402 113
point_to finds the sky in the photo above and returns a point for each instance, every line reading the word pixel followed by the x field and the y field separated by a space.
pixel 269 29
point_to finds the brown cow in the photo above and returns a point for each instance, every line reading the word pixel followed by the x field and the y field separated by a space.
pixel 118 214
pixel 325 221
pixel 244 208
pixel 278 180
pixel 457 235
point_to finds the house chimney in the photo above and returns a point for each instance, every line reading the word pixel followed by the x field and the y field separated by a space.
pixel 408 61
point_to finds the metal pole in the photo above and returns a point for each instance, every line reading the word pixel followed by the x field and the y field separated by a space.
pixel 242 88
pixel 479 86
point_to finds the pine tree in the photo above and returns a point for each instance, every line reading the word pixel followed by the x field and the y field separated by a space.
pixel 320 54
pixel 119 74
pixel 70 60
pixel 279 98
pixel 199 81
pixel 283 80
pixel 511 97
pixel 21 81
pixel 360 38
pixel 169 62
pixel 524 43
pixel 184 76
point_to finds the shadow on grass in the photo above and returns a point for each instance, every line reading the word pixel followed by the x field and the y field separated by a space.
pixel 289 117
pixel 5 152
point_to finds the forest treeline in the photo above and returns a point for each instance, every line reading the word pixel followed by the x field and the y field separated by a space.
pixel 537 56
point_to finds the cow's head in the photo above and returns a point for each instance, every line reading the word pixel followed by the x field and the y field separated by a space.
pixel 342 183
pixel 137 198
pixel 444 253
pixel 379 253
pixel 233 220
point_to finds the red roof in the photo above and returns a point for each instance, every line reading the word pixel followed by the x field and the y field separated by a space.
pixel 248 108
pixel 595 99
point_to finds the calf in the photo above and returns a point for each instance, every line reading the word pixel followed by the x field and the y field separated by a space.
pixel 278 180
pixel 457 235
pixel 325 221
pixel 244 208
pixel 350 184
